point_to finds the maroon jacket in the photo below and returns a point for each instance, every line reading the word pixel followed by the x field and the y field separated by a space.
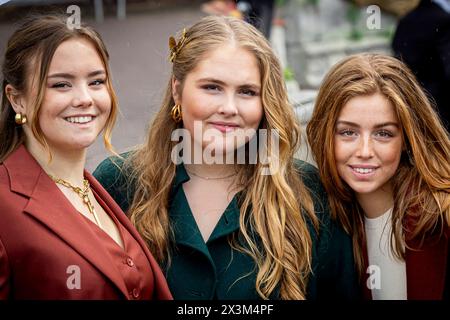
pixel 426 267
pixel 41 235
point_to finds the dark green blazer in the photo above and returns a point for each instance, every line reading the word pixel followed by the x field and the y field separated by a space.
pixel 214 270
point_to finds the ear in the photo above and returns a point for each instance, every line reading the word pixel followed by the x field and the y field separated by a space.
pixel 15 97
pixel 176 90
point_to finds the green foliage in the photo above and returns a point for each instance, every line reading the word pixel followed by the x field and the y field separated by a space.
pixel 353 17
pixel 356 34
pixel 313 2
pixel 280 3
pixel 353 14
pixel 288 74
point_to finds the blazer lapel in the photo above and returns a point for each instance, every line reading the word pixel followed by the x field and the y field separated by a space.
pixel 48 205
pixel 426 266
pixel 160 285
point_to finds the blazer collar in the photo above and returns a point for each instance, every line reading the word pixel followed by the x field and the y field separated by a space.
pixel 23 170
pixel 50 207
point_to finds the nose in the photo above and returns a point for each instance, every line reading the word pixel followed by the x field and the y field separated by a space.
pixel 365 147
pixel 228 106
pixel 82 97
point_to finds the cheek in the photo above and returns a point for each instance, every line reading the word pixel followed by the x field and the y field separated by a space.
pixel 253 115
pixel 196 109
pixel 47 114
pixel 52 104
pixel 391 158
pixel 104 101
pixel 392 153
pixel 196 113
pixel 341 151
pixel 47 122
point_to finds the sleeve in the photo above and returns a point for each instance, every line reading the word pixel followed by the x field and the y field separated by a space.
pixel 4 273
pixel 111 175
pixel 337 276
pixel 334 266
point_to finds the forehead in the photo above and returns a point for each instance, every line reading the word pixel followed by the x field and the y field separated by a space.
pixel 375 108
pixel 229 63
pixel 75 55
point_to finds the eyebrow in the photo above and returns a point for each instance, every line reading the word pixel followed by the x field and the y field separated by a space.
pixel 247 85
pixel 380 125
pixel 71 76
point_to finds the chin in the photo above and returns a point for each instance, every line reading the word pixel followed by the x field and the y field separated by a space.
pixel 363 189
pixel 78 145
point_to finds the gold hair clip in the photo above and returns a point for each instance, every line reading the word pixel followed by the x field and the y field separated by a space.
pixel 176 47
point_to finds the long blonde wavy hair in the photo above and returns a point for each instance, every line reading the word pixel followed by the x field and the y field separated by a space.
pixel 29 52
pixel 272 205
pixel 422 181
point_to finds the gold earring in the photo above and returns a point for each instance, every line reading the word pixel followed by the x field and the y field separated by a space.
pixel 20 119
pixel 176 113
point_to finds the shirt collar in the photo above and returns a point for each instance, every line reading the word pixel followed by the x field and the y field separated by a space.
pixel 228 223
pixel 181 176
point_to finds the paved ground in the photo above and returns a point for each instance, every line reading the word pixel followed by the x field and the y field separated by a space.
pixel 138 49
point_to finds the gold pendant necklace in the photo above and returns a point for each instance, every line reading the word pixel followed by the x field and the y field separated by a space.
pixel 211 178
pixel 82 193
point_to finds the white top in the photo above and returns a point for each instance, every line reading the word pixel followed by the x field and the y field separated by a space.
pixel 387 274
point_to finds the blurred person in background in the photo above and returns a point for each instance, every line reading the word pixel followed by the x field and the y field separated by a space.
pixel 259 13
pixel 422 41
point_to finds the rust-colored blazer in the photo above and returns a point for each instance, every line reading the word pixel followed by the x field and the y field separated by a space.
pixel 427 267
pixel 41 235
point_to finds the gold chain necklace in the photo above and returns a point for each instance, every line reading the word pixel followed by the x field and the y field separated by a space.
pixel 211 178
pixel 82 193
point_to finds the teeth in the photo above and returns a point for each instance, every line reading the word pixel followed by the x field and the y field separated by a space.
pixel 79 119
pixel 364 170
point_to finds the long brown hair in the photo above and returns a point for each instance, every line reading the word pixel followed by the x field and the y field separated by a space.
pixel 284 256
pixel 422 182
pixel 29 52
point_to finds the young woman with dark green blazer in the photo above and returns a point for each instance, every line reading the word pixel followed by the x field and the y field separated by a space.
pixel 228 212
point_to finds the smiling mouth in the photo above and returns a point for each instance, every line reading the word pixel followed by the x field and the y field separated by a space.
pixel 225 127
pixel 79 120
pixel 363 170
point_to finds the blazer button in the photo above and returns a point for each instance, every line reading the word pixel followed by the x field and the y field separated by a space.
pixel 136 293
pixel 130 262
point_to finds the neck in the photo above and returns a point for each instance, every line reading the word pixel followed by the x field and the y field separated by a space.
pixel 65 164
pixel 211 171
pixel 376 203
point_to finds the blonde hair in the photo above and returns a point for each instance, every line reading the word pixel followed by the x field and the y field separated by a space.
pixel 284 259
pixel 422 182
pixel 30 51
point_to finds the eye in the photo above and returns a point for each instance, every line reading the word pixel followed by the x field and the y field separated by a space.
pixel 60 85
pixel 347 133
pixel 248 92
pixel 211 87
pixel 97 82
pixel 384 134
